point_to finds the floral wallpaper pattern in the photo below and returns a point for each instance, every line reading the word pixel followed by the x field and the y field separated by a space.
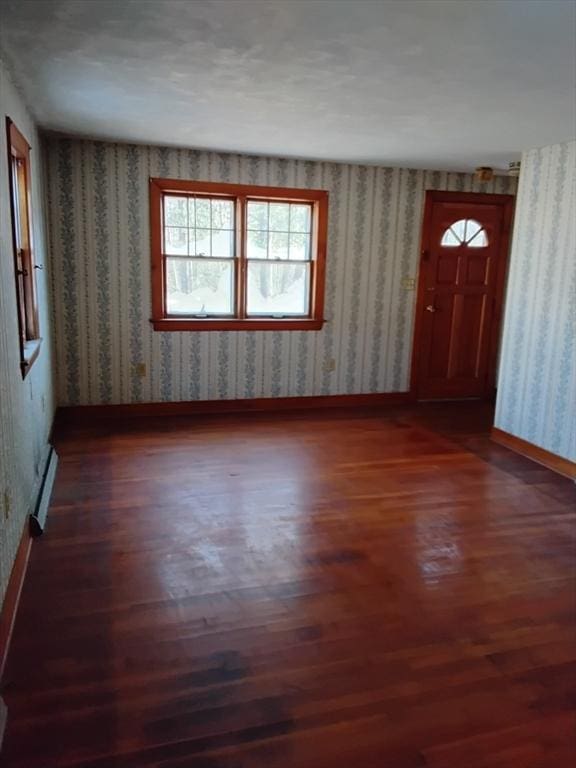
pixel 537 382
pixel 98 211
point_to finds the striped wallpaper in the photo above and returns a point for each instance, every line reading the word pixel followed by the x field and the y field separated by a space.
pixel 537 382
pixel 98 210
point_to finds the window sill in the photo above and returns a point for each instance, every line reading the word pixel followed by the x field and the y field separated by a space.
pixel 251 324
pixel 30 352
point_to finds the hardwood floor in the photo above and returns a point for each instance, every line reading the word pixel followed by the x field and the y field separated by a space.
pixel 354 589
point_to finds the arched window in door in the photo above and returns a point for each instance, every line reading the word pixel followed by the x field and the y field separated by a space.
pixel 465 232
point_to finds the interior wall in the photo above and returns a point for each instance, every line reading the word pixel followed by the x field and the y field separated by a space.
pixel 537 380
pixel 26 406
pixel 98 208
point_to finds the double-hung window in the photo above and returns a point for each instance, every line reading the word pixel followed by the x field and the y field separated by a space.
pixel 24 266
pixel 236 257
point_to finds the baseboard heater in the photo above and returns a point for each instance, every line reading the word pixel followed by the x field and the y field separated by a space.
pixel 3 718
pixel 38 517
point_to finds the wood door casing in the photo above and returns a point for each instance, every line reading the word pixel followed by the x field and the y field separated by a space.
pixel 460 296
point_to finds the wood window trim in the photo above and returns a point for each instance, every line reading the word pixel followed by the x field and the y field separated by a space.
pixel 161 321
pixel 24 263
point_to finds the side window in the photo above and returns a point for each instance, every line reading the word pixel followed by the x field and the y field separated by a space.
pixel 24 264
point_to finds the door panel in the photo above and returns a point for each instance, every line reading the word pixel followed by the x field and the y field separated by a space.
pixel 466 343
pixel 465 243
pixel 478 269
pixel 447 268
pixel 440 332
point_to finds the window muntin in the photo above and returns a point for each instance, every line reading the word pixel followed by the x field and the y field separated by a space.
pixel 231 256
pixel 465 232
pixel 279 230
pixel 198 226
pixel 24 266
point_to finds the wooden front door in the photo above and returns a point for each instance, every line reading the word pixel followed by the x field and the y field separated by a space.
pixel 465 241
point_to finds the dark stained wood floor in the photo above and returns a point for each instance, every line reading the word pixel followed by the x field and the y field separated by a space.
pixel 355 589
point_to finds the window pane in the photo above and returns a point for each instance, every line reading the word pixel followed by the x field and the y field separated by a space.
pixel 299 218
pixel 459 229
pixel 176 211
pixel 223 243
pixel 202 206
pixel 278 245
pixel 202 246
pixel 257 245
pixel 222 214
pixel 257 215
pixel 472 228
pixel 18 184
pixel 176 241
pixel 479 240
pixel 299 247
pixel 449 238
pixel 201 286
pixel 278 289
pixel 279 217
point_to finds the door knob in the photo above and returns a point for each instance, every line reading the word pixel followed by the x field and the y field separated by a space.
pixel 430 308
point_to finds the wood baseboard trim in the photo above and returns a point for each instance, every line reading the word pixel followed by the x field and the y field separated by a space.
pixel 12 596
pixel 31 528
pixel 90 413
pixel 541 455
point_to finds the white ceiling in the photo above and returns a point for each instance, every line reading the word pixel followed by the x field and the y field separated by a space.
pixel 420 83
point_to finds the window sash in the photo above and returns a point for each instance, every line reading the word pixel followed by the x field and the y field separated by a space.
pixel 25 266
pixel 240 262
pixel 208 260
pixel 192 227
pixel 307 266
